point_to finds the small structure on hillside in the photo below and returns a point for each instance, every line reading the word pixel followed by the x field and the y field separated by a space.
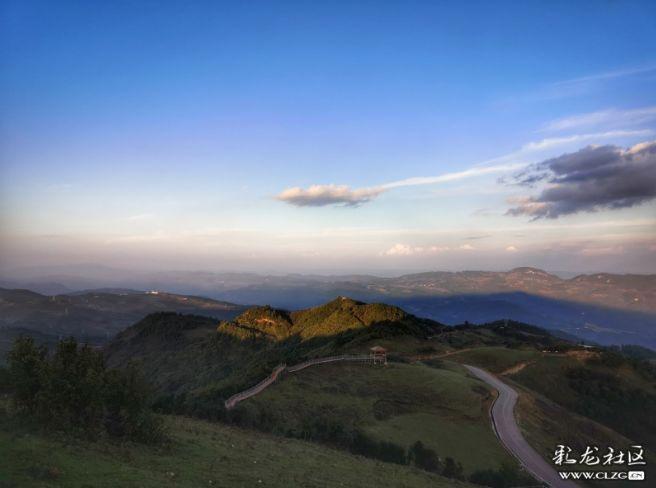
pixel 378 355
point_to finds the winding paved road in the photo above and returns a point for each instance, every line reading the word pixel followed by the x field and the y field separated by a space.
pixel 508 432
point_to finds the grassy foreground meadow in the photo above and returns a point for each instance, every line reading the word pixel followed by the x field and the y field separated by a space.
pixel 441 406
pixel 199 454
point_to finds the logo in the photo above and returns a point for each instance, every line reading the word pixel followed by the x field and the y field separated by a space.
pixel 603 461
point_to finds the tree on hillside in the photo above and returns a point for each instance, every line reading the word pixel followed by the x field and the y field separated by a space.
pixel 72 390
pixel 26 363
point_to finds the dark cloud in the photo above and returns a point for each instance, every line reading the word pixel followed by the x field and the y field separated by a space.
pixel 592 179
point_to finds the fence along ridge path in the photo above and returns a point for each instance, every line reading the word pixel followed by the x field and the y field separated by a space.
pixel 278 370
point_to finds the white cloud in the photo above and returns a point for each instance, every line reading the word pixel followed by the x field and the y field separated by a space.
pixel 511 249
pixel 408 250
pixel 402 250
pixel 321 195
pixel 467 247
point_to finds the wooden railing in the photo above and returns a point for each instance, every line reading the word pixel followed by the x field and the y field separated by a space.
pixel 328 359
pixel 278 370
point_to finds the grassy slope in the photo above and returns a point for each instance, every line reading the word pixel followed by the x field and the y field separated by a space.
pixel 444 408
pixel 201 454
pixel 544 423
pixel 549 378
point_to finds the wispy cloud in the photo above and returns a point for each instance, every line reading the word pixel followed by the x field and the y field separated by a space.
pixel 343 195
pixel 606 118
pixel 448 177
pixel 608 75
pixel 552 142
pixel 578 86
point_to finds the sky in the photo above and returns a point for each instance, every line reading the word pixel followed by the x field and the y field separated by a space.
pixel 328 137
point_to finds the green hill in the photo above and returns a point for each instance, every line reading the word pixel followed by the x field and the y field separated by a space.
pixel 423 396
pixel 333 318
pixel 199 356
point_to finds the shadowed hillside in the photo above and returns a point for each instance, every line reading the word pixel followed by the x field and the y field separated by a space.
pixel 92 317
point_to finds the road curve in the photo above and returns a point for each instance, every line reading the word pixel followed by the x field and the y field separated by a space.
pixel 508 432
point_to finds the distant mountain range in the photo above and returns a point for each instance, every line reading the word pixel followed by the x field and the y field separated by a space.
pixel 625 291
pixel 604 308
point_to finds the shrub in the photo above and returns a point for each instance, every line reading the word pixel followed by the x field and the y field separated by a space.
pixel 385 451
pixel 126 397
pixel 452 469
pixel 424 458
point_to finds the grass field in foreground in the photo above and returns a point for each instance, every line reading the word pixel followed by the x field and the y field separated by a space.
pixel 444 408
pixel 201 454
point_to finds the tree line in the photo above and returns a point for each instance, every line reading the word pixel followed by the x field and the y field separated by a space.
pixel 72 390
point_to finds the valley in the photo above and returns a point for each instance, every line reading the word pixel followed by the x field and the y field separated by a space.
pixel 423 397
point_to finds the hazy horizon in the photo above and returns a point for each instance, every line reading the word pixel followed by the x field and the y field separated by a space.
pixel 329 138
pixel 112 275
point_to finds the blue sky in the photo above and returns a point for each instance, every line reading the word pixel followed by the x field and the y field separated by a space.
pixel 206 135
